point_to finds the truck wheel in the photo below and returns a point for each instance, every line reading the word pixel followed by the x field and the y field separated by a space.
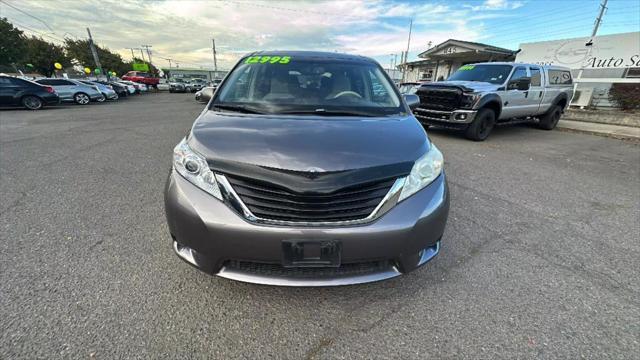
pixel 549 120
pixel 481 127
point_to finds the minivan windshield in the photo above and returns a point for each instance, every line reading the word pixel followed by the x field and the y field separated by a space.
pixel 495 74
pixel 286 85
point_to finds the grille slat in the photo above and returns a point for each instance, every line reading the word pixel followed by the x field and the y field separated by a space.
pixel 304 207
pixel 293 200
pixel 274 202
pixel 260 187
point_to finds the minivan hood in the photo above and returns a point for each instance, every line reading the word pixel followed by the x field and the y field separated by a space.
pixel 314 144
pixel 475 86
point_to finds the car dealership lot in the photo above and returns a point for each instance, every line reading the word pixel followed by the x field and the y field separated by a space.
pixel 539 258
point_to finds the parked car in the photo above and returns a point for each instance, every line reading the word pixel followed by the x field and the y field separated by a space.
pixel 195 84
pixel 332 183
pixel 138 87
pixel 120 89
pixel 141 77
pixel 163 85
pixel 107 91
pixel 479 96
pixel 205 94
pixel 177 85
pixel 26 93
pixel 130 88
pixel 73 91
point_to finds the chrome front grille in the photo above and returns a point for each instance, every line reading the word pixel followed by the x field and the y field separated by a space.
pixel 273 202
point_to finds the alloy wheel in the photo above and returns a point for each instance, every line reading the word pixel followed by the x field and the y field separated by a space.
pixel 32 103
pixel 82 99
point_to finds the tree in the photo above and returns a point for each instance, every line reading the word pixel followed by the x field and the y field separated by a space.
pixel 12 44
pixel 81 52
pixel 43 54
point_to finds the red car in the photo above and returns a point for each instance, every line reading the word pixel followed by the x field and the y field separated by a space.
pixel 141 77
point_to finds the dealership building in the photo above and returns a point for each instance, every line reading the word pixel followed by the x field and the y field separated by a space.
pixel 596 64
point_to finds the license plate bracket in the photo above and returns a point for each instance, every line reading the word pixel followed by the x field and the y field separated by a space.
pixel 309 253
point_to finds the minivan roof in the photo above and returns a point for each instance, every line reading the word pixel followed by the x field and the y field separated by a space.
pixel 311 55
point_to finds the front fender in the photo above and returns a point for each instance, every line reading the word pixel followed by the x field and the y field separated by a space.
pixel 490 100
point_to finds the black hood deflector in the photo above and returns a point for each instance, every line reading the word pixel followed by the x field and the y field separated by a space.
pixel 303 182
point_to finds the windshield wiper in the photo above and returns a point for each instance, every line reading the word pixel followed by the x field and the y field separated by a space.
pixel 237 108
pixel 325 112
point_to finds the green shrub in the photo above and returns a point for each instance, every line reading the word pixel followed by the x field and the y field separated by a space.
pixel 625 96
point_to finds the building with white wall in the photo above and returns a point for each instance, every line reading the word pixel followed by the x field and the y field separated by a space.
pixel 595 64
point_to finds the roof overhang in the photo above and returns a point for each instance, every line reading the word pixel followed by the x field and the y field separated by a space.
pixel 455 49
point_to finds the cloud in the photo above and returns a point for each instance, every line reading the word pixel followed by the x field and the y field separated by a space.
pixel 182 30
pixel 497 5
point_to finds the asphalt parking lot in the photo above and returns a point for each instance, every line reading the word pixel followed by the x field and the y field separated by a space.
pixel 539 259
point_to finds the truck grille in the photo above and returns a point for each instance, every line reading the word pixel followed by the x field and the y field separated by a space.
pixel 439 98
pixel 273 202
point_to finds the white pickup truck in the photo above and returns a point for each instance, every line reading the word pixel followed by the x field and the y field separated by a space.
pixel 478 96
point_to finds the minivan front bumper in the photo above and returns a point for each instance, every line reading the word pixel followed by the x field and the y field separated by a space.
pixel 213 237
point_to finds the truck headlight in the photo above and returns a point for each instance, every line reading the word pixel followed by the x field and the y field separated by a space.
pixel 469 100
pixel 426 169
pixel 194 168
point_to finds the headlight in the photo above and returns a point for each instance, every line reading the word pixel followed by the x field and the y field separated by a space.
pixel 469 100
pixel 195 169
pixel 424 171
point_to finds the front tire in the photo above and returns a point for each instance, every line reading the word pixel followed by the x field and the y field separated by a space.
pixel 549 120
pixel 81 99
pixel 102 99
pixel 481 127
pixel 32 102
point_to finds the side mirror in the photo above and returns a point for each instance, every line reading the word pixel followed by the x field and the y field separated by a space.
pixel 412 100
pixel 522 84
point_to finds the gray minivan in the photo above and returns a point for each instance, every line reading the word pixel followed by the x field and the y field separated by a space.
pixel 307 169
pixel 73 91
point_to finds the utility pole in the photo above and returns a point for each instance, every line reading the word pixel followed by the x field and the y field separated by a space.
pixel 589 45
pixel 148 52
pixel 406 57
pixel 142 54
pixel 215 60
pixel 94 52
pixel 603 7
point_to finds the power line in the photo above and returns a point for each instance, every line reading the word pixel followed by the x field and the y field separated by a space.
pixel 37 32
pixel 571 30
pixel 26 13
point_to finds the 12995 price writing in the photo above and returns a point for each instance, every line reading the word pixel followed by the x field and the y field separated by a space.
pixel 268 60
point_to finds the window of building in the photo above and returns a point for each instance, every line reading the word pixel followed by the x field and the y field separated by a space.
pixel 633 72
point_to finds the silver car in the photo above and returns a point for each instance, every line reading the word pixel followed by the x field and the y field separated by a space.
pixel 73 90
pixel 107 91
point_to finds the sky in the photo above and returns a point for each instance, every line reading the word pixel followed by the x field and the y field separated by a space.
pixel 182 30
